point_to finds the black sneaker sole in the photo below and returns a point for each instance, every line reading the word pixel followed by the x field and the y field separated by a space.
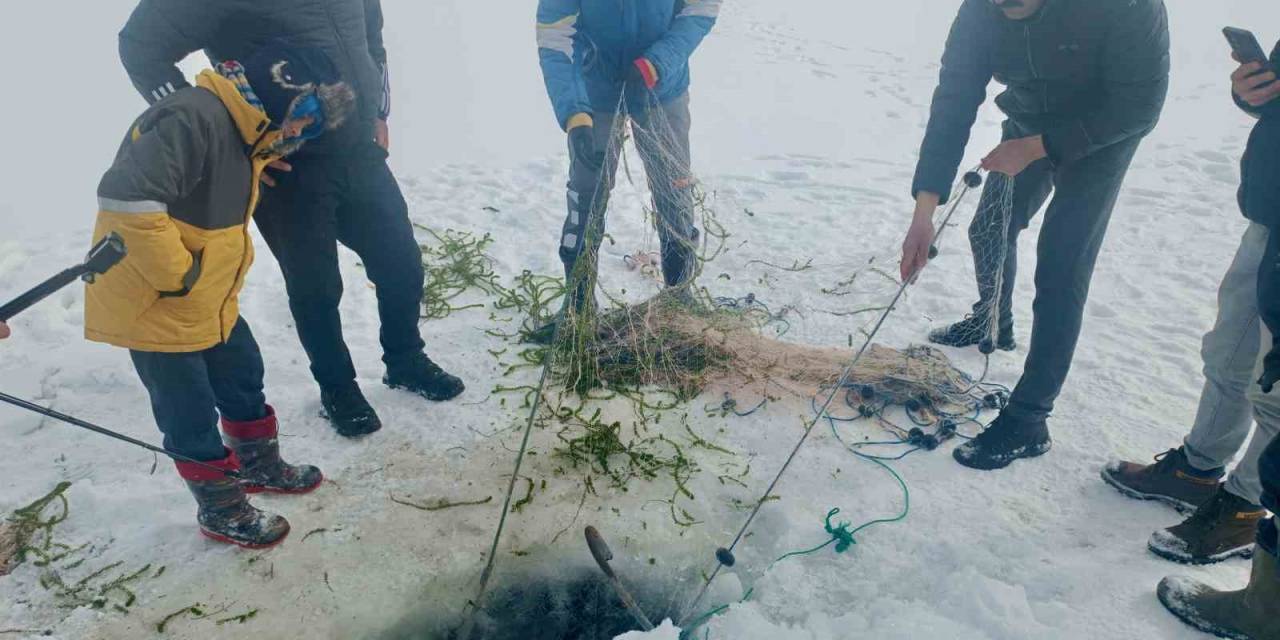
pixel 1004 346
pixel 434 397
pixel 990 464
pixel 1180 505
pixel 1193 561
pixel 348 433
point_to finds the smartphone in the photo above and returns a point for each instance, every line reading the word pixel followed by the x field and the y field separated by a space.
pixel 1245 45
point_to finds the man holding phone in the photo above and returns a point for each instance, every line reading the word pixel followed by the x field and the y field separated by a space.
pixel 1191 476
pixel 1229 517
pixel 1086 81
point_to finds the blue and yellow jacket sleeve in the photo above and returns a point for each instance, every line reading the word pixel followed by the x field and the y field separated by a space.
pixel 692 23
pixel 560 50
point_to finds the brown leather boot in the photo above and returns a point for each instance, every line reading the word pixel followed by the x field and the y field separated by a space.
pixel 1222 528
pixel 1171 480
pixel 257 446
pixel 225 513
pixel 1250 614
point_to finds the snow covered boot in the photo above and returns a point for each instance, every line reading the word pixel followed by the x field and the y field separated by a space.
pixel 225 514
pixel 346 409
pixel 257 446
pixel 1250 614
pixel 1220 529
pixel 420 375
pixel 1171 480
pixel 972 331
pixel 1004 441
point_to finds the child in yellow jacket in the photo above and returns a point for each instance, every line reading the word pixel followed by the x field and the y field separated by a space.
pixel 180 192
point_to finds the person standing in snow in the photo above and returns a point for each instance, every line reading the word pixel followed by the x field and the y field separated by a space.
pixel 1252 613
pixel 1086 81
pixel 180 193
pixel 592 51
pixel 340 190
pixel 1228 517
pixel 1191 476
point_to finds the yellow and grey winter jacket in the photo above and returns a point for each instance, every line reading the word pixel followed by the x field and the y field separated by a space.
pixel 180 192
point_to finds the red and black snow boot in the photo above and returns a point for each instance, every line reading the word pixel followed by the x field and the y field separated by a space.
pixel 257 446
pixel 225 513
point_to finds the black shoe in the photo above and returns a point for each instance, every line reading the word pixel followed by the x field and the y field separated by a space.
pixel 422 376
pixel 1003 442
pixel 348 411
pixel 972 331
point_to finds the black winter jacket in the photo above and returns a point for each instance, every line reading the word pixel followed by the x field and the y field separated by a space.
pixel 162 32
pixel 1086 74
pixel 1260 167
pixel 1259 197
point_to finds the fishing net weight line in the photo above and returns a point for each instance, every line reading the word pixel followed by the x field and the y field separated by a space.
pixel 724 555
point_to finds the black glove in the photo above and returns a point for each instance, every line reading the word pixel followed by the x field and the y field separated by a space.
pixel 582 147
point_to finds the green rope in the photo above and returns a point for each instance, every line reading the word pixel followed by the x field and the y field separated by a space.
pixel 841 535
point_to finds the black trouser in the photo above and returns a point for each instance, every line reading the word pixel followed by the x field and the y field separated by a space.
pixel 351 198
pixel 1269 470
pixel 662 138
pixel 1084 194
pixel 189 390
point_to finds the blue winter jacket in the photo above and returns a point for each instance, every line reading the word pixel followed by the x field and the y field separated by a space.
pixel 587 48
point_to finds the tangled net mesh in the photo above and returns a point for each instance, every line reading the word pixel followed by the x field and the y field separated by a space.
pixel 668 343
pixel 686 342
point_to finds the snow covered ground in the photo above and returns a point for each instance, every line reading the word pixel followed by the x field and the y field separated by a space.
pixel 807 117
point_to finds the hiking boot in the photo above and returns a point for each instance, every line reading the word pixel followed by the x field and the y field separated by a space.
pixel 1004 441
pixel 1250 614
pixel 346 409
pixel 972 331
pixel 422 376
pixel 225 514
pixel 1221 528
pixel 1171 480
pixel 257 446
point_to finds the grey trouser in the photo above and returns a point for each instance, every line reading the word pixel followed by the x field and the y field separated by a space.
pixel 1075 223
pixel 662 138
pixel 1232 400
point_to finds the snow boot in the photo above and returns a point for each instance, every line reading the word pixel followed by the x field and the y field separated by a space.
pixel 348 412
pixel 1221 528
pixel 579 303
pixel 1171 480
pixel 1004 441
pixel 225 514
pixel 972 331
pixel 257 446
pixel 1250 614
pixel 420 375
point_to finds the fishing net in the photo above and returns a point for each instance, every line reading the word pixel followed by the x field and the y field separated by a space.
pixel 990 240
pixel 668 343
pixel 609 351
